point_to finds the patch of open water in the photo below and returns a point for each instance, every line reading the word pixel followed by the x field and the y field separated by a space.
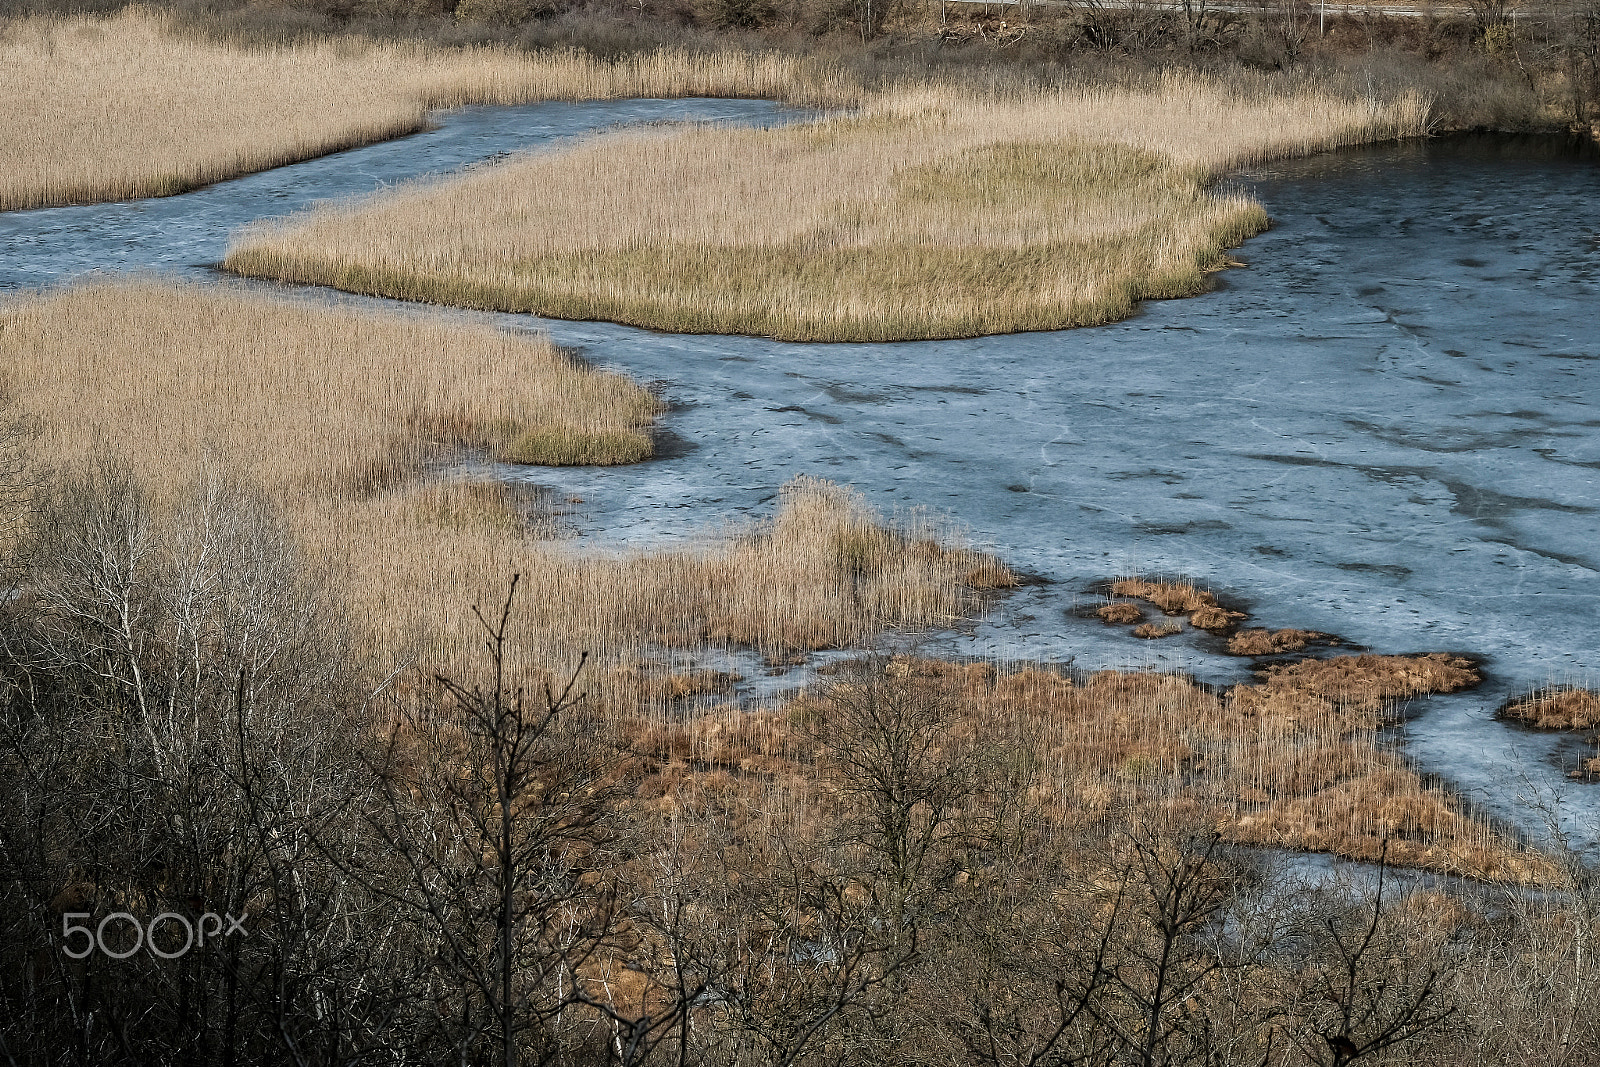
pixel 1384 427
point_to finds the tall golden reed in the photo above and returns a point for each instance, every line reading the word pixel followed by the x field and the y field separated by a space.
pixel 344 417
pixel 296 397
pixel 929 213
pixel 112 108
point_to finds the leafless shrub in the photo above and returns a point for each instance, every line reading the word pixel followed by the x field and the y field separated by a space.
pixel 176 708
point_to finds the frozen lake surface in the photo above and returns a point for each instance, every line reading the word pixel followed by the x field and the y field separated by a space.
pixel 1386 426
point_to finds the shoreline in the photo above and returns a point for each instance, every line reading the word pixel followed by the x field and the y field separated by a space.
pixel 1363 148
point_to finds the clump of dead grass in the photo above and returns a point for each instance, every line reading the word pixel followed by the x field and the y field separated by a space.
pixel 1154 630
pixel 1216 620
pixel 1119 613
pixel 1181 598
pixel 1174 598
pixel 1263 642
pixel 126 106
pixel 930 213
pixel 1557 708
pixel 1371 681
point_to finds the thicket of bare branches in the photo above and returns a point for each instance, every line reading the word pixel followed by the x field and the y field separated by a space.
pixel 461 870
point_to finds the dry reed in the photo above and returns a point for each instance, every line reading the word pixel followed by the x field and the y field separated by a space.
pixel 1174 598
pixel 1119 613
pixel 1180 598
pixel 299 398
pixel 339 415
pixel 105 109
pixel 1263 642
pixel 1151 631
pixel 930 213
pixel 1373 681
pixel 1271 764
pixel 824 572
pixel 1557 708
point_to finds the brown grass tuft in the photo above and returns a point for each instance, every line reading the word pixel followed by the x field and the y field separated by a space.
pixel 1154 630
pixel 1119 612
pixel 1261 642
pixel 1560 708
pixel 1217 620
pixel 1370 681
pixel 1174 598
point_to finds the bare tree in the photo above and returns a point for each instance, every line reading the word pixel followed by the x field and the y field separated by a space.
pixel 1377 982
pixel 903 777
pixel 1023 973
pixel 493 817
pixel 162 665
pixel 680 907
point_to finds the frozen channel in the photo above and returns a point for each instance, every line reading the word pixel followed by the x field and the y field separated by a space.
pixel 1385 426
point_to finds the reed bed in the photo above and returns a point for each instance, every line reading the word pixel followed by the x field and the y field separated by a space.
pixel 345 417
pixel 112 108
pixel 296 398
pixel 824 572
pixel 928 213
pixel 1272 764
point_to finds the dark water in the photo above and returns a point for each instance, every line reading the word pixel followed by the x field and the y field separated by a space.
pixel 1387 426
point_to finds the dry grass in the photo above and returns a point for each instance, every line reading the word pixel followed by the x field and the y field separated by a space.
pixel 311 402
pixel 340 415
pixel 1217 620
pixel 930 213
pixel 824 572
pixel 1181 598
pixel 1372 681
pixel 1174 598
pixel 1559 708
pixel 1263 642
pixel 297 398
pixel 1271 764
pixel 1119 613
pixel 1151 631
pixel 1205 613
pixel 106 109
pixel 474 504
